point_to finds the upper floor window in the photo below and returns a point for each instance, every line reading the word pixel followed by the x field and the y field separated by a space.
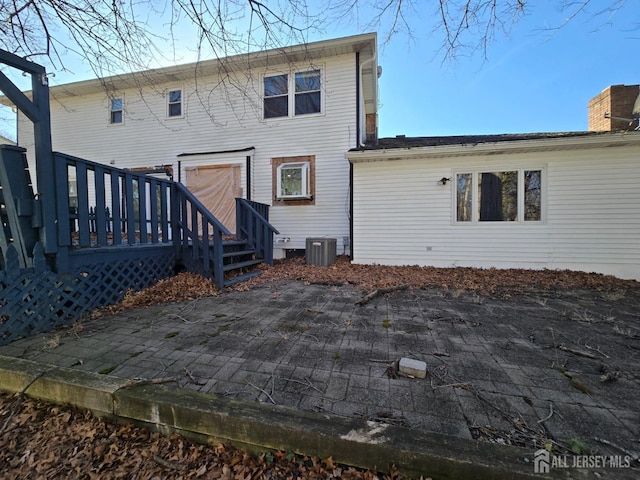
pixel 499 196
pixel 276 96
pixel 289 95
pixel 116 111
pixel 174 106
pixel 308 92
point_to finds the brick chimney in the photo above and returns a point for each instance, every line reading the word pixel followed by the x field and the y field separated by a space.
pixel 612 109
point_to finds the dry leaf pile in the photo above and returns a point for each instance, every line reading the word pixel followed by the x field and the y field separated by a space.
pixel 181 287
pixel 484 281
pixel 505 282
pixel 42 441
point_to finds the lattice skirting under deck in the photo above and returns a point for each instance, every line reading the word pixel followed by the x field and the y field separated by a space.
pixel 36 299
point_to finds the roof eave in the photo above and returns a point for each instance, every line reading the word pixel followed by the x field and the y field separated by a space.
pixel 364 43
pixel 616 139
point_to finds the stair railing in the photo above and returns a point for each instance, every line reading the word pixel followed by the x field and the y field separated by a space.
pixel 195 227
pixel 252 225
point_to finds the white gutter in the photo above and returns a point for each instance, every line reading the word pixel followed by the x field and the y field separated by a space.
pixel 618 139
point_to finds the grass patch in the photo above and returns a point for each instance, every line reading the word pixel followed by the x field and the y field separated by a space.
pixel 220 330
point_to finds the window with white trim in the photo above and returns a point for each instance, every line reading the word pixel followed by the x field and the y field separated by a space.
pixel 292 95
pixel 499 196
pixel 293 181
pixel 174 103
pixel 307 94
pixel 116 111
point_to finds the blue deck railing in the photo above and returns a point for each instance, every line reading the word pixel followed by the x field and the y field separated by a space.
pixel 252 224
pixel 198 233
pixel 100 205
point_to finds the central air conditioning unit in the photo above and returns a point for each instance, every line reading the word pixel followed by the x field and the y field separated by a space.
pixel 320 251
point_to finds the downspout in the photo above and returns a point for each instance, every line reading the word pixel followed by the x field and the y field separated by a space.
pixel 248 167
pixel 358 77
pixel 358 72
pixel 359 68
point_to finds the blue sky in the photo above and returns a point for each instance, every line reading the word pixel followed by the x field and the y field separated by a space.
pixel 533 80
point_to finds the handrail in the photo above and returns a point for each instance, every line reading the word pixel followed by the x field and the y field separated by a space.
pixel 253 227
pixel 201 208
pixel 100 205
pixel 112 206
pixel 192 222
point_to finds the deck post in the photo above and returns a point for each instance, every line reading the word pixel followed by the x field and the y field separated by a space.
pixel 37 110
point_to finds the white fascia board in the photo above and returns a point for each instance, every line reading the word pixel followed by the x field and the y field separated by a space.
pixel 176 73
pixel 608 140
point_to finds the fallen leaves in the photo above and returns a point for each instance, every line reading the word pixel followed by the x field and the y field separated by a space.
pixel 47 441
pixel 179 288
pixel 380 278
pixel 484 281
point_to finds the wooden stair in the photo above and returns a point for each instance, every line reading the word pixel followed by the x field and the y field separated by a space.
pixel 239 261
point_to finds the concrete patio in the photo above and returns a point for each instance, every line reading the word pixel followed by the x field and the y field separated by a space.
pixel 505 375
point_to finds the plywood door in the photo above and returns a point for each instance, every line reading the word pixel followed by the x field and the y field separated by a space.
pixel 217 188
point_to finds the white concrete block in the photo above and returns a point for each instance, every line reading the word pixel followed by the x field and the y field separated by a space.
pixel 415 368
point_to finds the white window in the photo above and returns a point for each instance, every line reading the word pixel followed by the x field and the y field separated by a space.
pixel 116 111
pixel 276 96
pixel 292 95
pixel 293 181
pixel 307 94
pixel 499 196
pixel 174 103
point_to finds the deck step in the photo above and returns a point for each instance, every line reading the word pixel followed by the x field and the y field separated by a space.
pixel 239 253
pixel 242 277
pixel 239 265
pixel 231 243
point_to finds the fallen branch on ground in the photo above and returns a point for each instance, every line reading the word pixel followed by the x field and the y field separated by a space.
pixel 381 291
pixel 548 416
pixel 611 444
pixel 589 347
pixel 263 391
pixel 142 381
pixel 169 464
pixel 580 353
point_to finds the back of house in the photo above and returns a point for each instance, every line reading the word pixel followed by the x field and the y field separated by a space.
pixel 271 126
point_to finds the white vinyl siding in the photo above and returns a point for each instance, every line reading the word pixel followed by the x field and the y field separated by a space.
pixel 220 118
pixel 403 215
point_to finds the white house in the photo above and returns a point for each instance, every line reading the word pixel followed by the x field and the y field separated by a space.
pixel 558 201
pixel 6 141
pixel 271 126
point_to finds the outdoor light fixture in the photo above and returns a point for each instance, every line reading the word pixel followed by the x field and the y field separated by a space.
pixel 444 180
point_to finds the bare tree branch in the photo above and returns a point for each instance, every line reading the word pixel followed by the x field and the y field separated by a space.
pixel 114 36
